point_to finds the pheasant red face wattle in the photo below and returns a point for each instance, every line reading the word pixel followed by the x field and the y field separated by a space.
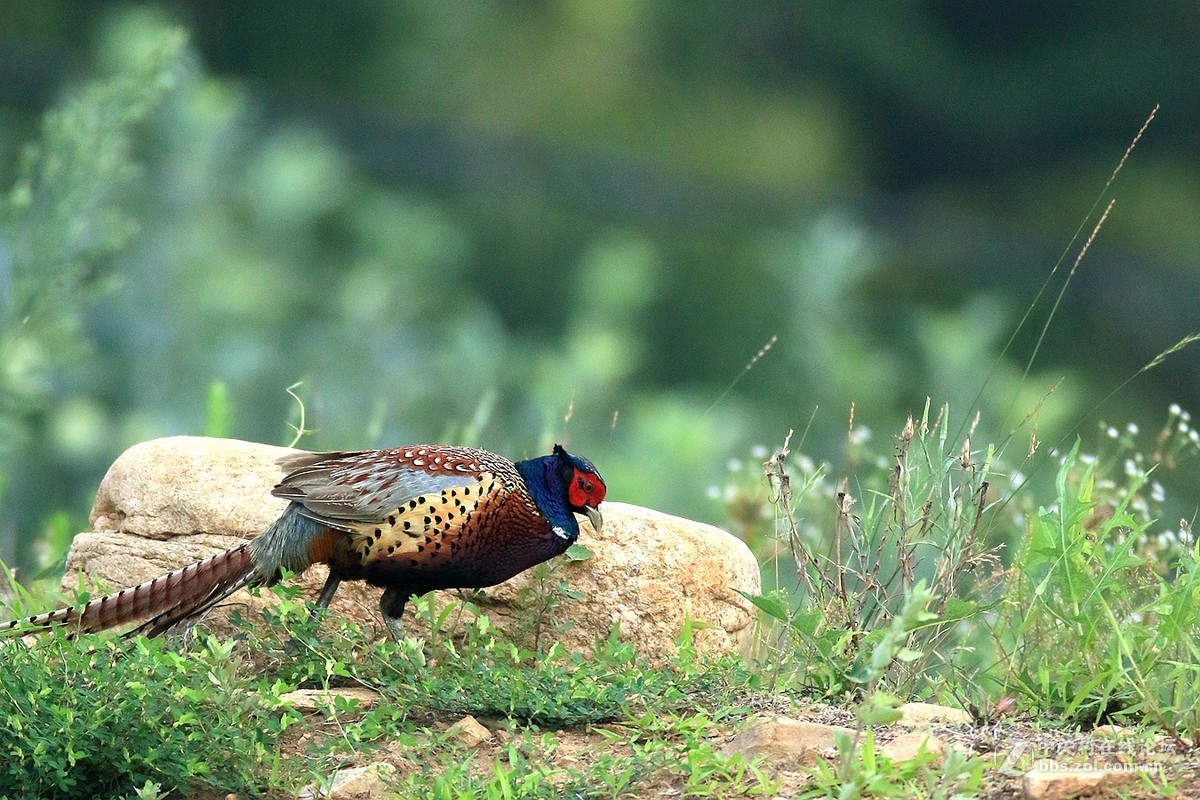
pixel 585 494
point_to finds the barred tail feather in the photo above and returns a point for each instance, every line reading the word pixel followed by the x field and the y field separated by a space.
pixel 192 610
pixel 180 594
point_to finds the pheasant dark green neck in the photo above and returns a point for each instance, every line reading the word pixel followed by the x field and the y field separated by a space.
pixel 548 486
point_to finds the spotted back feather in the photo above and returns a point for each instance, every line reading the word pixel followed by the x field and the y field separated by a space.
pixel 428 528
pixel 425 516
pixel 340 489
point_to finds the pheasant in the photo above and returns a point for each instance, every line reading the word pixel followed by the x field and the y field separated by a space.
pixel 408 519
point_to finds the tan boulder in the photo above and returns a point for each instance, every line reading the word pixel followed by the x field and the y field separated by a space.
pixel 908 746
pixel 169 502
pixel 1114 731
pixel 184 485
pixel 1056 784
pixel 785 741
pixel 372 782
pixel 312 701
pixel 469 732
pixel 918 715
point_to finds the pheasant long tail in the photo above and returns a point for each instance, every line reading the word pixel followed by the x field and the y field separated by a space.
pixel 163 601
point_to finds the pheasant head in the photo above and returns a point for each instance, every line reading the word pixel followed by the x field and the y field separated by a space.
pixel 563 485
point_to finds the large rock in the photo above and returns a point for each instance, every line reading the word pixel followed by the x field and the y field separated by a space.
pixel 908 746
pixel 170 502
pixel 925 715
pixel 1063 784
pixel 787 741
pixel 372 782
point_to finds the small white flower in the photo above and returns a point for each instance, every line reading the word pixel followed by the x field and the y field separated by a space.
pixel 734 465
pixel 1194 436
pixel 1130 467
pixel 1174 410
pixel 1112 432
pixel 759 452
pixel 713 492
pixel 860 434
pixel 1157 493
pixel 1084 458
pixel 1131 429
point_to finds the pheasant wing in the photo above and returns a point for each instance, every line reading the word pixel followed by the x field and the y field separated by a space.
pixel 347 490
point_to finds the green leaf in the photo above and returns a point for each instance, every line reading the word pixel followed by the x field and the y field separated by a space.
pixel 773 606
pixel 578 552
pixel 880 708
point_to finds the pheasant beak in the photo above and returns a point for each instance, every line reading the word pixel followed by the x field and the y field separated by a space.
pixel 593 515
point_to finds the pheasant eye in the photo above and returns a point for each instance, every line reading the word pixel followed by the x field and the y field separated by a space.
pixel 581 490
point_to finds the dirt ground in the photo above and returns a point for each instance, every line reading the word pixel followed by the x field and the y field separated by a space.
pixel 1010 748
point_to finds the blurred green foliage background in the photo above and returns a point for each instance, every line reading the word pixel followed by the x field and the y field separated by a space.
pixel 506 224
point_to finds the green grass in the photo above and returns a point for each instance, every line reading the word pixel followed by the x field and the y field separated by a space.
pixel 862 770
pixel 1097 628
pixel 1078 601
pixel 104 718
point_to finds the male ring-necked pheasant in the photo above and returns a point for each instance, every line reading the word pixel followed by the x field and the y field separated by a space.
pixel 409 520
